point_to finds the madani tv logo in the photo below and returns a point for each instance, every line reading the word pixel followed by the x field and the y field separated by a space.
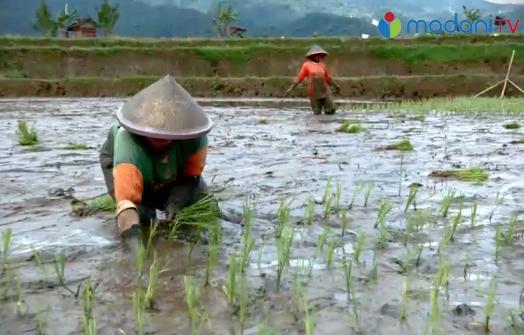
pixel 389 26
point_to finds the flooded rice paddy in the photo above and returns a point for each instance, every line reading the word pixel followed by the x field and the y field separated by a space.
pixel 270 155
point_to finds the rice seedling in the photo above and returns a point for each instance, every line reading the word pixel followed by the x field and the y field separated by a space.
pixel 373 275
pixel 309 211
pixel 347 265
pixel 153 231
pixel 192 296
pixel 411 198
pixel 358 189
pixel 361 242
pixel 41 319
pixel 38 261
pixel 434 312
pixel 26 135
pixel 328 200
pixel 385 208
pixel 247 241
pixel 466 271
pixel 350 127
pixel 21 307
pixel 476 175
pixel 89 316
pixel 338 195
pixel 442 276
pixel 6 243
pixel 154 271
pixel 77 146
pixel 8 278
pixel 369 188
pixel 403 145
pixel 446 203
pixel 498 201
pixel 332 246
pixel 202 215
pixel 510 233
pixel 474 213
pixel 242 303
pixel 260 252
pixel 499 238
pixel 59 266
pixel 512 125
pixel 139 261
pixel 309 319
pixel 297 293
pixel 283 252
pixel 322 239
pixel 490 305
pixel 283 218
pixel 231 281
pixel 213 251
pixel 405 299
pixel 410 228
pixel 138 310
pixel 265 329
pixel 457 219
pixel 103 203
pixel 344 220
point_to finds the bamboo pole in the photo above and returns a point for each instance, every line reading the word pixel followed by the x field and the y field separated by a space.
pixel 488 89
pixel 507 75
pixel 516 86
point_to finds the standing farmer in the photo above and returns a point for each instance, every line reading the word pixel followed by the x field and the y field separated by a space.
pixel 153 159
pixel 318 81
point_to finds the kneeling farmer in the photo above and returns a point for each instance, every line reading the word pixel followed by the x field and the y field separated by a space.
pixel 318 80
pixel 153 159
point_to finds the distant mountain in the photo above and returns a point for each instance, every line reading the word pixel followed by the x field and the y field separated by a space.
pixel 187 18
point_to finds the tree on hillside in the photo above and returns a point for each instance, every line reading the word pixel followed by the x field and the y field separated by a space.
pixel 472 15
pixel 44 20
pixel 107 17
pixel 65 18
pixel 224 17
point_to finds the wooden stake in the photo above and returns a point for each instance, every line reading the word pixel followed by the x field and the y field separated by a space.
pixel 516 86
pixel 488 89
pixel 507 75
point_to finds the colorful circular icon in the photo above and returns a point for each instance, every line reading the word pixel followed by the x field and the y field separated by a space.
pixel 389 26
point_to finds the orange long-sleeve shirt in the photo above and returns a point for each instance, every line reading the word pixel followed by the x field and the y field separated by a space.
pixel 317 76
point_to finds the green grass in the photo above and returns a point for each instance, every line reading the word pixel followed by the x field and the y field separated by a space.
pixel 476 175
pixel 403 145
pixel 512 125
pixel 26 135
pixel 463 105
pixel 350 127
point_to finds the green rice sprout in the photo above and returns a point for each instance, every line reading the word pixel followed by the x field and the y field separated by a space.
pixel 284 252
pixel 26 135
pixel 247 241
pixel 202 215
pixel 192 297
pixel 369 188
pixel 21 307
pixel 153 231
pixel 322 239
pixel 38 261
pixel 347 265
pixel 344 220
pixel 410 228
pixel 309 319
pixel 474 213
pixel 434 313
pixel 138 310
pixel 283 218
pixel 361 242
pixel 338 195
pixel 6 242
pixel 498 201
pixel 490 305
pixel 499 238
pixel 89 315
pixel 41 319
pixel 475 175
pixel 373 275
pixel 405 300
pixel 213 251
pixel 154 271
pixel 328 199
pixel 384 210
pixel 260 252
pixel 512 125
pixel 297 293
pixel 350 127
pixel 139 261
pixel 442 276
pixel 231 281
pixel 242 303
pixel 309 212
pixel 332 246
pixel 8 277
pixel 411 198
pixel 457 219
pixel 446 203
pixel 59 266
pixel 358 189
pixel 509 236
pixel 77 146
pixel 403 145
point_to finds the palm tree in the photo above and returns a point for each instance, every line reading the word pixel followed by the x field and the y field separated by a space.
pixel 107 17
pixel 224 17
pixel 44 20
pixel 472 14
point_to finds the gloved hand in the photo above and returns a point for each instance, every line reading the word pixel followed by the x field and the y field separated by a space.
pixel 128 223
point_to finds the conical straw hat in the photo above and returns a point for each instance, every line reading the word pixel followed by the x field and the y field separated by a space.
pixel 164 110
pixel 316 50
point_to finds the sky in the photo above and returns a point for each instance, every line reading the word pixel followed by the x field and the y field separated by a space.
pixel 519 2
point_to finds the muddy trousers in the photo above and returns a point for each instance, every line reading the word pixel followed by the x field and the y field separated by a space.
pixel 170 198
pixel 323 104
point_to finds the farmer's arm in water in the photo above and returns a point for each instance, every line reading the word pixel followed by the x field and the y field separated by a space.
pixel 304 72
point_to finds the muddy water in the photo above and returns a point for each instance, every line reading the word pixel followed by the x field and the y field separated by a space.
pixel 268 154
